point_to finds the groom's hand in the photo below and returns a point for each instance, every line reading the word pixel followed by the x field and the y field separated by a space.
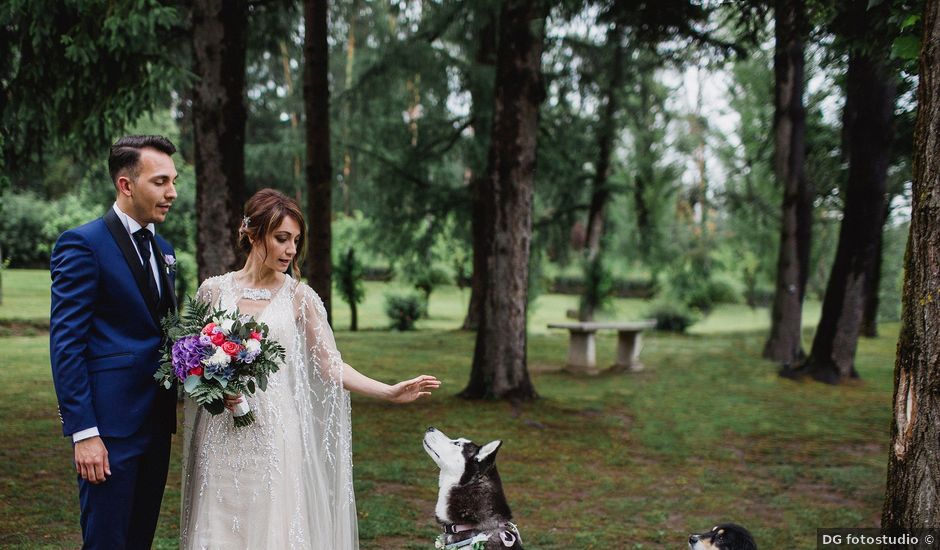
pixel 91 460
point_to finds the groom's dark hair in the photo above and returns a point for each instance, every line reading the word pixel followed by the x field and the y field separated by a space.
pixel 125 154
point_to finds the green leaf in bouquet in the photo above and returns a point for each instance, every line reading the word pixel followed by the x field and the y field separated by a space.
pixel 263 382
pixel 251 386
pixel 191 383
pixel 206 393
pixel 167 384
pixel 215 407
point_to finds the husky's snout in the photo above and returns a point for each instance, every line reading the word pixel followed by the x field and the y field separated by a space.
pixel 436 444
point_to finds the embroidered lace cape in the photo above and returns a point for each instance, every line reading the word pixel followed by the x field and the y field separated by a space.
pixel 285 481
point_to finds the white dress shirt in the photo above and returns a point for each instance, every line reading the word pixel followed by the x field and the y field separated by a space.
pixel 131 225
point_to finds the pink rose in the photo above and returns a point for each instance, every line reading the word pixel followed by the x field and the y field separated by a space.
pixel 207 330
pixel 231 348
pixel 256 335
pixel 218 338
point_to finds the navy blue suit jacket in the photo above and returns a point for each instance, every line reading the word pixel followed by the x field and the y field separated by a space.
pixel 104 333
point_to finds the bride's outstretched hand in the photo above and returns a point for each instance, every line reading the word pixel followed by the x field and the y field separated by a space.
pixel 409 390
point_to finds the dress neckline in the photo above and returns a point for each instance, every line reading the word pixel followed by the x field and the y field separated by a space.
pixel 274 294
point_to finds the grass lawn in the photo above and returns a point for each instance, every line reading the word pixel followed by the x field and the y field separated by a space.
pixel 706 433
pixel 25 295
pixel 26 298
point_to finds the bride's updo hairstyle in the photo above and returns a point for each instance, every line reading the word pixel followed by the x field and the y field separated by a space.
pixel 264 212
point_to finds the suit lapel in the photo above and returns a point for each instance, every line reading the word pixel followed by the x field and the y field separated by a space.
pixel 165 283
pixel 123 240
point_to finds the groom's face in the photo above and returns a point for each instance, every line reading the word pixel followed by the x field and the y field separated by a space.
pixel 153 191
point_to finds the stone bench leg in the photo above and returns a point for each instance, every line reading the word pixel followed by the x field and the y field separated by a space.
pixel 581 352
pixel 629 343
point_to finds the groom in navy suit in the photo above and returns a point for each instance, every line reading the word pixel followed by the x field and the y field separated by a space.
pixel 112 282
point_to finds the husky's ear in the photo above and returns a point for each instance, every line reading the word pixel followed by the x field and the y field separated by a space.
pixel 488 450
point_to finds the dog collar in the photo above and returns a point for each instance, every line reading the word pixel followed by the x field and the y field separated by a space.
pixel 454 528
pixel 508 534
pixel 478 543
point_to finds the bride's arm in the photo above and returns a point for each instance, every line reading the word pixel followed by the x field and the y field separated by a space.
pixel 402 392
pixel 324 356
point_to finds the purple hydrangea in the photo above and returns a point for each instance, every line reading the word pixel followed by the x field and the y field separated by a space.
pixel 247 356
pixel 188 353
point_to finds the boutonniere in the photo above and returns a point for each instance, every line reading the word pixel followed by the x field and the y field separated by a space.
pixel 170 261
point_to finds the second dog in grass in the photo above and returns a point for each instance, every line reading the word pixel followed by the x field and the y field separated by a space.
pixel 471 506
pixel 726 536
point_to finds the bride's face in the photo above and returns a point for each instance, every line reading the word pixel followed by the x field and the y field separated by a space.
pixel 281 246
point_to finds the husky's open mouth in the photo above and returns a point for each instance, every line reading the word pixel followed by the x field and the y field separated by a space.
pixel 430 450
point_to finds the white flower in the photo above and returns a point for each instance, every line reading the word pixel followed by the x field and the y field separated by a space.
pixel 219 358
pixel 226 325
pixel 169 259
pixel 252 345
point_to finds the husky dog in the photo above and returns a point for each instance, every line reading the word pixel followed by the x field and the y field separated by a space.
pixel 726 536
pixel 471 506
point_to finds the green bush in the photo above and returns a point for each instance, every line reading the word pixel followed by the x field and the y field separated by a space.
pixel 348 271
pixel 699 288
pixel 64 214
pixel 672 316
pixel 31 225
pixel 404 310
pixel 21 230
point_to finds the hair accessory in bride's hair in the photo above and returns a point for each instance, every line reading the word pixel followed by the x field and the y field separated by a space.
pixel 245 221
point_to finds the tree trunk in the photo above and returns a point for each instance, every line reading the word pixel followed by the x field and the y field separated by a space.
pixel 643 161
pixel 600 192
pixel 873 290
pixel 319 166
pixel 480 239
pixel 481 97
pixel 499 359
pixel 912 498
pixel 354 317
pixel 219 114
pixel 348 82
pixel 870 87
pixel 784 344
pixel 294 117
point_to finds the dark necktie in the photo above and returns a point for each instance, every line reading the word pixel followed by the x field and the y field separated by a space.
pixel 143 238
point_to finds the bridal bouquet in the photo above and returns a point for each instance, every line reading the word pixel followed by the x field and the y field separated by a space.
pixel 216 353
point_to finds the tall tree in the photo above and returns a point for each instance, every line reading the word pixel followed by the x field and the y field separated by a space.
pixel 600 186
pixel 784 345
pixel 869 327
pixel 911 497
pixel 319 164
pixel 219 114
pixel 480 85
pixel 868 117
pixel 499 359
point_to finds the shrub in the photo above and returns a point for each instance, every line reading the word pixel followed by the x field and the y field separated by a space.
pixel 348 272
pixel 404 310
pixel 672 316
pixel 700 289
pixel 21 230
pixel 65 213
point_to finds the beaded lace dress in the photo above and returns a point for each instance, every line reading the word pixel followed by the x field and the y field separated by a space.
pixel 286 480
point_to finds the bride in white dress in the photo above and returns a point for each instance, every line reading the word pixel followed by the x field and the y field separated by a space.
pixel 286 480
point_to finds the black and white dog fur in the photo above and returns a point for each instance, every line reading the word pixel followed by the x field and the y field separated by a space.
pixel 726 536
pixel 470 503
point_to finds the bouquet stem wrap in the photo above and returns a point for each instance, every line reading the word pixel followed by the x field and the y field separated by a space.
pixel 242 414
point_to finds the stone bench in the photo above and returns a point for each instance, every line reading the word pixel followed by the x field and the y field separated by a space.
pixel 582 349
